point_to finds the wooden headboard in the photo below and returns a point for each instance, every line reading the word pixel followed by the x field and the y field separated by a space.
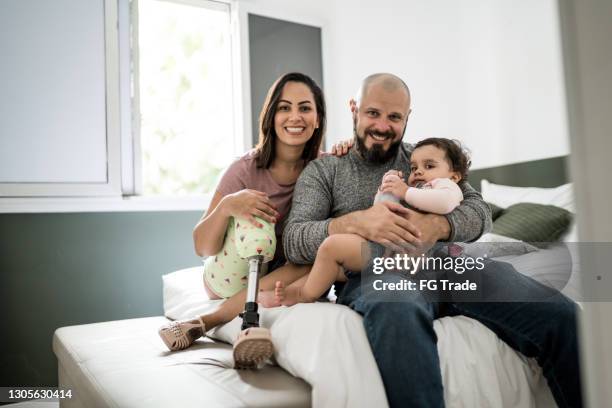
pixel 537 173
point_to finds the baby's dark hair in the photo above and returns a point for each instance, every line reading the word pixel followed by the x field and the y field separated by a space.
pixel 457 155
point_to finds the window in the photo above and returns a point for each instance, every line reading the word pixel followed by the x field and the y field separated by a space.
pixel 107 102
pixel 59 105
pixel 184 97
pixel 112 98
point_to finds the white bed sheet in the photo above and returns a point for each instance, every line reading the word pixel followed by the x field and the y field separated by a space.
pixel 326 345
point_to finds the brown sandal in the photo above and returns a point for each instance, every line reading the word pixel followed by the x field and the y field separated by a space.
pixel 252 348
pixel 177 336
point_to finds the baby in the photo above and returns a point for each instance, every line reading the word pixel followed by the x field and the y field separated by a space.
pixel 436 166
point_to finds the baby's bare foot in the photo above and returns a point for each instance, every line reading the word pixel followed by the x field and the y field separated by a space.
pixel 267 298
pixel 279 292
pixel 287 296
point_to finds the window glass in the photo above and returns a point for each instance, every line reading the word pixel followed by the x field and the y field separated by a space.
pixel 185 95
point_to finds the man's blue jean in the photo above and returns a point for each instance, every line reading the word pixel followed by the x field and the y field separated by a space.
pixel 403 339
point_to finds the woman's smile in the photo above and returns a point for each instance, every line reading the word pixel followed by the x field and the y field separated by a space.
pixel 295 130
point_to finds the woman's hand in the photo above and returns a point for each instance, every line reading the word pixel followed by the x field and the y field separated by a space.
pixel 392 183
pixel 249 204
pixel 342 148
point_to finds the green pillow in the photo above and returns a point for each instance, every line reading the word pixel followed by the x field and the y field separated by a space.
pixel 496 211
pixel 532 222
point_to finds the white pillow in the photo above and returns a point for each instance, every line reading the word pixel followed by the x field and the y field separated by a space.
pixel 495 245
pixel 490 237
pixel 505 196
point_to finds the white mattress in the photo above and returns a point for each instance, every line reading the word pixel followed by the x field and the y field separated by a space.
pixel 125 364
pixel 325 344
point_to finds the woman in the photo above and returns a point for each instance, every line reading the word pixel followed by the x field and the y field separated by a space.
pixel 259 184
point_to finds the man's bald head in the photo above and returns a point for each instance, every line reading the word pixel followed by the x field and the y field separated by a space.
pixel 380 114
pixel 388 82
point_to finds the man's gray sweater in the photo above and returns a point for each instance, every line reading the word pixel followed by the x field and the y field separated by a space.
pixel 332 186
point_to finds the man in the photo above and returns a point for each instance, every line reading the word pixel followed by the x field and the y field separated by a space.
pixel 334 195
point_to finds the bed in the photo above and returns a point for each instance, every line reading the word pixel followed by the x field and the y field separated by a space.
pixel 322 355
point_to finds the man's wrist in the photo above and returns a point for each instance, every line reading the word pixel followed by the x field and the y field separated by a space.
pixel 352 225
pixel 332 227
pixel 443 227
pixel 346 224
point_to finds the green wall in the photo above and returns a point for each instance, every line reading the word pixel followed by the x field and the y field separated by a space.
pixel 66 269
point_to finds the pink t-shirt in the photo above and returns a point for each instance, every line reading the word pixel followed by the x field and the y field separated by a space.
pixel 243 173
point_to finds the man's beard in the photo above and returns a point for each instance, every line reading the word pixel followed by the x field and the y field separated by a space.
pixel 377 154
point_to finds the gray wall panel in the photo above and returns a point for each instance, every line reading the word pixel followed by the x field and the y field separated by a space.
pixel 277 47
pixel 544 173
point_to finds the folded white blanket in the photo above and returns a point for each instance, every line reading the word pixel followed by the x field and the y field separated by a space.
pixel 326 345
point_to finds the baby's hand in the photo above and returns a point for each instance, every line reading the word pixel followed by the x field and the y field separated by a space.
pixel 392 183
pixel 395 173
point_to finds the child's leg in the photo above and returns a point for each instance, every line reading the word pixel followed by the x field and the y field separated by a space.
pixel 179 335
pixel 225 276
pixel 235 304
pixel 337 253
pixel 280 296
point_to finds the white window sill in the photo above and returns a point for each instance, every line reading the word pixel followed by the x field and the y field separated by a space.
pixel 104 204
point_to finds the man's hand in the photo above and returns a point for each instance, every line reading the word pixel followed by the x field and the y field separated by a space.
pixel 433 227
pixel 388 224
pixel 394 226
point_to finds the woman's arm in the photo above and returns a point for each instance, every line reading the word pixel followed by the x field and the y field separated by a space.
pixel 208 234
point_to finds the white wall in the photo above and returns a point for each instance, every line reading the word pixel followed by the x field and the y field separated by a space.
pixel 488 72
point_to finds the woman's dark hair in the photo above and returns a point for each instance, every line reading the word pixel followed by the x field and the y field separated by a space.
pixel 456 154
pixel 265 149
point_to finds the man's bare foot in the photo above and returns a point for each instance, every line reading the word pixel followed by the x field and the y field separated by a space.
pixel 267 298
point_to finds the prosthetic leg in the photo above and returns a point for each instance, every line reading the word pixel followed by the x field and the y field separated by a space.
pixel 250 317
pixel 257 245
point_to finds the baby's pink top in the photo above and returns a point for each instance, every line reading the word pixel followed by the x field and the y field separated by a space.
pixel 243 173
pixel 439 196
